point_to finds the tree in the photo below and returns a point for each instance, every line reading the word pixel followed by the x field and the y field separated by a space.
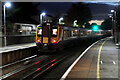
pixel 56 17
pixel 107 24
pixel 87 25
pixel 79 12
pixel 22 11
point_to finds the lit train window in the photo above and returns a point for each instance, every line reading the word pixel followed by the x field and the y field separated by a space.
pixel 40 31
pixel 54 31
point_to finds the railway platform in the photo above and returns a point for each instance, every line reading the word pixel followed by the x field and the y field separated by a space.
pixel 16 47
pixel 97 62
pixel 12 55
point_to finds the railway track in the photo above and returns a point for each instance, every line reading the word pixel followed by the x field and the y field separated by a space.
pixel 40 67
pixel 46 67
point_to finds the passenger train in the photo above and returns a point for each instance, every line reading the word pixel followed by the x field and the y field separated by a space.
pixel 50 37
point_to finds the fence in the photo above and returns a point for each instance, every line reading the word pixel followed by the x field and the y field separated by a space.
pixel 18 39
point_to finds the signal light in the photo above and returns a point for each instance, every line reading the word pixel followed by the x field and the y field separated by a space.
pixel 38 40
pixel 95 27
pixel 54 41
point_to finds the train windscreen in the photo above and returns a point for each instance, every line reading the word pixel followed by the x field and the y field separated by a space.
pixel 39 31
pixel 54 31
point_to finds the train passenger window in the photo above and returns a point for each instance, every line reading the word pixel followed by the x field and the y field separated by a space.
pixel 75 32
pixel 54 31
pixel 67 33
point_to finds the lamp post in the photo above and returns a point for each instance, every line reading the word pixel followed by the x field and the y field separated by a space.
pixel 60 20
pixel 4 6
pixel 111 16
pixel 41 15
pixel 114 20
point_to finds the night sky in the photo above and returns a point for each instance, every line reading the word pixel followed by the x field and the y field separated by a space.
pixel 99 11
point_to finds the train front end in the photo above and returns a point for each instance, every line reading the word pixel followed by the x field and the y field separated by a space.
pixel 47 37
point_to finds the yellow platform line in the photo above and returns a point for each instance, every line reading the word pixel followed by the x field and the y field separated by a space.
pixel 98 62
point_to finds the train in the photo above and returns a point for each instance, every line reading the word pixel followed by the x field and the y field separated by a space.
pixel 50 37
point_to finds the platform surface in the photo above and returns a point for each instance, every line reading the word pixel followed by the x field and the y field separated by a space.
pixel 16 47
pixel 100 62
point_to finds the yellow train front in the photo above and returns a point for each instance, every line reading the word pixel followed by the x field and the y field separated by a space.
pixel 47 37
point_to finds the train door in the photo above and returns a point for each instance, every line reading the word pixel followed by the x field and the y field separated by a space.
pixel 46 33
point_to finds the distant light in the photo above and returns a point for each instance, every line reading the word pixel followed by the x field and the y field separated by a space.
pixel 100 30
pixel 90 30
pixel 8 4
pixel 110 16
pixel 83 26
pixel 43 14
pixel 62 23
pixel 109 30
pixel 112 10
pixel 20 30
pixel 77 25
pixel 95 27
pixel 76 30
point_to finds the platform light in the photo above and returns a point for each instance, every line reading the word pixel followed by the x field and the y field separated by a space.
pixel 112 10
pixel 75 23
pixel 61 19
pixel 43 14
pixel 8 4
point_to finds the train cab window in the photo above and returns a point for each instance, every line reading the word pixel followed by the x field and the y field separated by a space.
pixel 75 32
pixel 67 33
pixel 39 31
pixel 54 32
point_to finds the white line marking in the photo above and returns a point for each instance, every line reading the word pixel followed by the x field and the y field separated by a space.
pixel 101 62
pixel 102 39
pixel 114 62
pixel 14 48
pixel 69 69
pixel 18 61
